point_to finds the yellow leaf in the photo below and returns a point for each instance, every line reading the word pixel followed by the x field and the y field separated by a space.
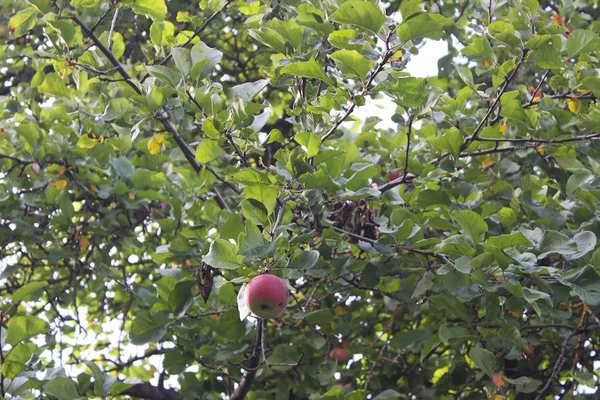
pixel 154 143
pixel 574 106
pixel 84 242
pixel 540 150
pixel 487 63
pixel 89 141
pixel 61 170
pixel 487 163
pixel 517 314
pixel 33 175
pixel 502 128
pixel 60 185
pixel 339 310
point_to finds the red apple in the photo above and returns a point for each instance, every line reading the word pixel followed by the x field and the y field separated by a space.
pixel 394 175
pixel 267 296
pixel 339 354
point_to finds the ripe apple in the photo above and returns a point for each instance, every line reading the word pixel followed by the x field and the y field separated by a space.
pixel 394 175
pixel 339 354
pixel 267 296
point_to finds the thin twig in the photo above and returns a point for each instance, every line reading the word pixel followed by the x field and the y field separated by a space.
pixel 387 54
pixel 408 135
pixel 558 365
pixel 112 29
pixel 370 373
pixel 537 89
pixel 495 102
pixel 111 57
pixel 535 143
pixel 205 314
pixel 196 33
pixel 161 115
pixel 248 376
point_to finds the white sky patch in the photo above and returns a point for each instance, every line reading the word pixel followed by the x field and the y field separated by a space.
pixel 422 65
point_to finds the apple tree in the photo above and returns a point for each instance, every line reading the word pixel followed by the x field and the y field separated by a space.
pixel 156 155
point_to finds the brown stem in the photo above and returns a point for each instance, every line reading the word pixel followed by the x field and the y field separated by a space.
pixel 491 108
pixel 250 373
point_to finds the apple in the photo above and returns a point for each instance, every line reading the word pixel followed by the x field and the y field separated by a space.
pixel 266 296
pixel 394 175
pixel 339 354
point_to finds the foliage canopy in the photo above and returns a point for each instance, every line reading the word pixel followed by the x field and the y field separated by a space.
pixel 155 155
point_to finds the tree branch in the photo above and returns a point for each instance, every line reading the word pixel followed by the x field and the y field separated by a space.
pixel 112 29
pixel 558 365
pixel 161 116
pixel 150 392
pixel 491 108
pixel 408 134
pixel 253 363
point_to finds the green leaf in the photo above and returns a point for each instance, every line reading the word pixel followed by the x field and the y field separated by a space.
pixel 591 83
pixel 352 63
pixel 208 150
pixel 17 358
pixel 115 109
pixel 248 90
pixel 310 141
pixel 466 75
pixel 183 60
pixel 420 26
pixel 579 178
pixel 163 74
pixel 267 195
pixel 23 21
pixel 555 242
pixel 451 304
pixel 308 69
pixel 428 198
pixel 204 60
pixel 118 48
pixel 388 394
pixel 586 241
pixel 25 292
pixel 162 33
pixel 148 327
pixel 62 388
pixel 180 299
pixel 471 223
pixel 303 260
pixel 156 9
pixel 21 328
pixel 123 167
pixel 363 14
pixel 507 241
pixel 582 41
pixel 484 360
pixel 584 283
pixel 223 255
pixel 250 176
pixel 450 142
pixel 479 47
